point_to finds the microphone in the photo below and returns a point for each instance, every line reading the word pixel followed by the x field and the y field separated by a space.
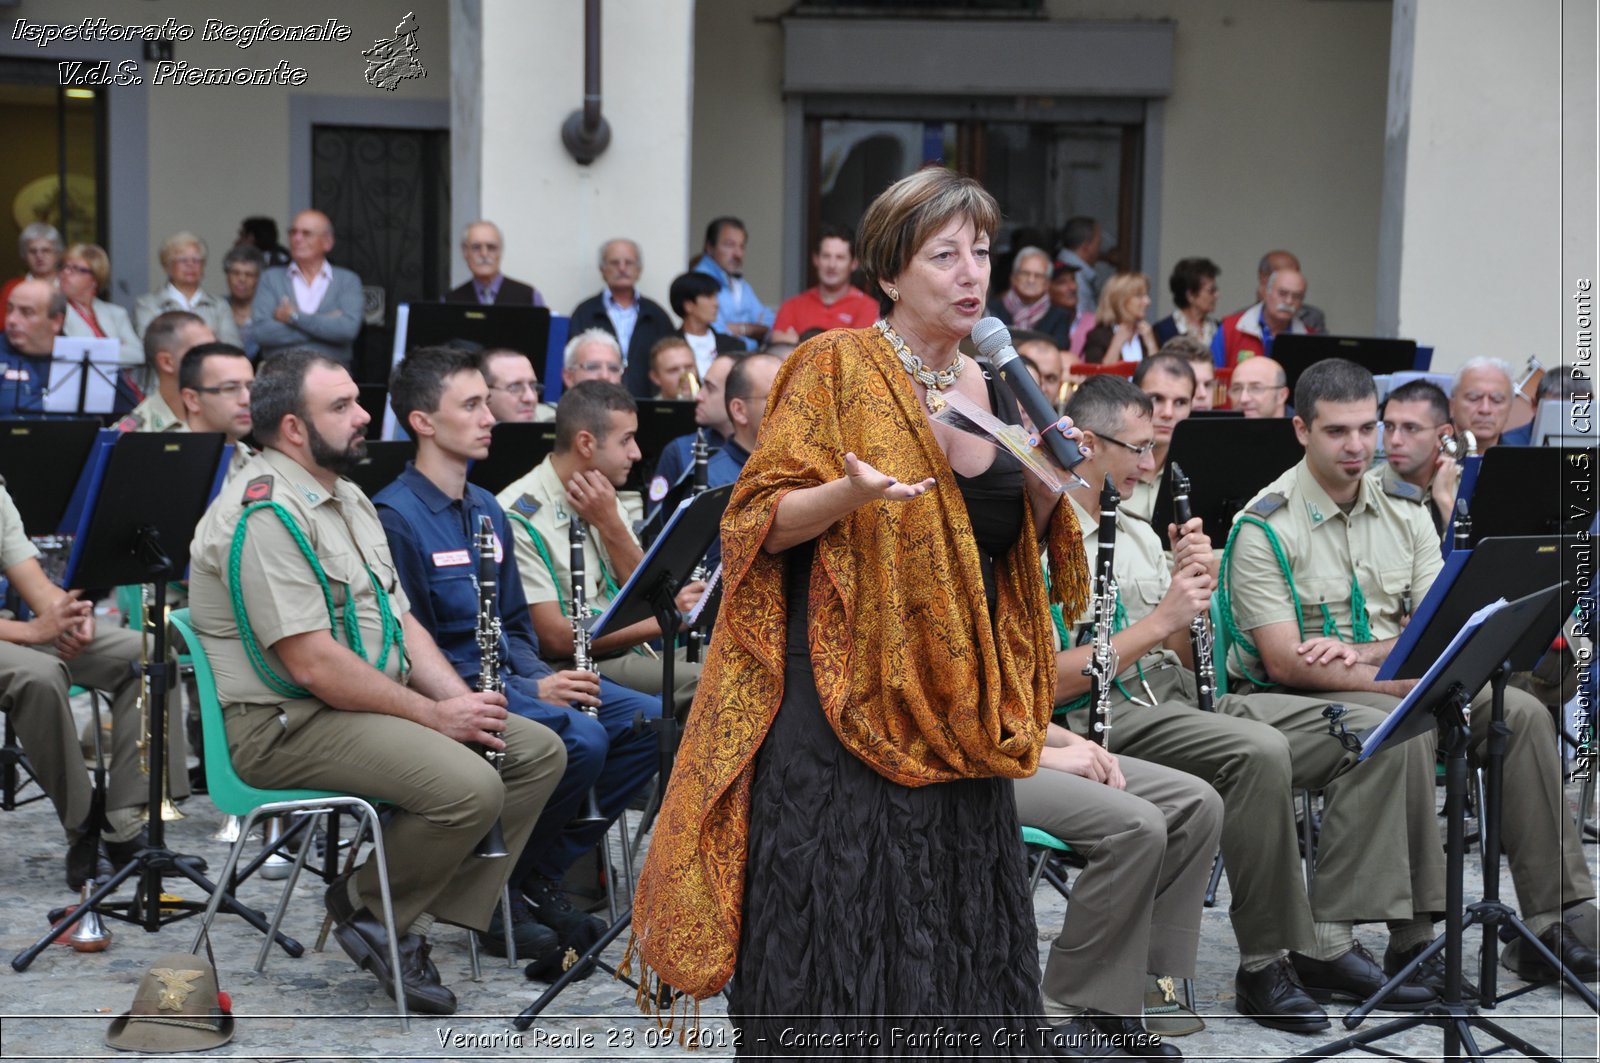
pixel 994 343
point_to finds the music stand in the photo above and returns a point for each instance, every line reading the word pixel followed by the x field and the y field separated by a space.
pixel 660 422
pixel 41 462
pixel 514 448
pixel 649 592
pixel 1529 491
pixel 84 375
pixel 386 459
pixel 1564 423
pixel 130 534
pixel 1229 460
pixel 1442 697
pixel 1297 352
pixel 525 329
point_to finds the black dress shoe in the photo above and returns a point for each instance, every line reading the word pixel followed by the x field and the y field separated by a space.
pixel 86 861
pixel 1274 997
pixel 534 941
pixel 1127 1032
pixel 365 941
pixel 577 930
pixel 1430 974
pixel 1080 1038
pixel 1561 939
pixel 1354 977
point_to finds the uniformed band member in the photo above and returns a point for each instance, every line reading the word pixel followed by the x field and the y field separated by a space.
pixel 593 452
pixel 214 381
pixel 1317 571
pixel 327 680
pixel 1415 417
pixel 431 515
pixel 1379 856
pixel 1148 834
pixel 745 393
pixel 513 386
pixel 166 341
pixel 710 413
pixel 40 659
pixel 1170 383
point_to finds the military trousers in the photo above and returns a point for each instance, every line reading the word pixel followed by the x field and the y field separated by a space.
pixel 1378 857
pixel 642 672
pixel 1135 906
pixel 446 793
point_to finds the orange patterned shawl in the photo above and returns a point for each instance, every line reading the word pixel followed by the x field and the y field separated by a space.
pixel 912 676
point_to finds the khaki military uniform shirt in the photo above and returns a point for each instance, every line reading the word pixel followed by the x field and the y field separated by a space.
pixel 1386 542
pixel 281 593
pixel 1142 502
pixel 540 499
pixel 152 415
pixel 15 546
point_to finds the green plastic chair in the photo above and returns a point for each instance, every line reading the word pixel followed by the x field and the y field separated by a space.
pixel 1043 847
pixel 234 796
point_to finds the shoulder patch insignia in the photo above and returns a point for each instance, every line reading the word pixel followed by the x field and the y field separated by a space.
pixel 258 490
pixel 527 505
pixel 1268 504
pixel 1402 489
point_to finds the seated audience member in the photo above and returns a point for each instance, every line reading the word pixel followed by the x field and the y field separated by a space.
pixel 242 266
pixel 1251 330
pixel 481 244
pixel 40 659
pixel 710 414
pixel 1480 401
pixel 1080 251
pixel 1317 578
pixel 592 457
pixel 40 246
pixel 214 381
pixel 183 257
pixel 638 323
pixel 35 314
pixel 1047 359
pixel 168 338
pixel 1026 304
pixel 1121 333
pixel 85 273
pixel 740 313
pixel 834 302
pixel 261 234
pixel 591 355
pixel 1198 355
pixel 745 398
pixel 694 298
pixel 1259 388
pixel 513 386
pixel 310 304
pixel 1194 299
pixel 1311 317
pixel 1064 294
pixel 1169 381
pixel 1415 417
pixel 385 714
pixel 672 371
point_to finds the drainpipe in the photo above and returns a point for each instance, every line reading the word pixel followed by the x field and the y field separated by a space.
pixel 586 133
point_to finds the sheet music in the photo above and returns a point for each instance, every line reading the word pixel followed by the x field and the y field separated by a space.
pixel 68 370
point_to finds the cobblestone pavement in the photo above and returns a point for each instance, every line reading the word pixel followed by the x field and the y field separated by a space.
pixel 320 1006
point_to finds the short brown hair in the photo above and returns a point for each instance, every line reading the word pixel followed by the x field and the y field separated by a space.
pixel 665 343
pixel 909 212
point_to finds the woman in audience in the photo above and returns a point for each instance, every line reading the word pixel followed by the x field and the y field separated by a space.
pixel 183 257
pixel 242 266
pixel 1194 297
pixel 40 247
pixel 85 272
pixel 1121 333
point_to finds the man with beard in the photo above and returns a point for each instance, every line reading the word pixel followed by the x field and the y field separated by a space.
pixel 327 680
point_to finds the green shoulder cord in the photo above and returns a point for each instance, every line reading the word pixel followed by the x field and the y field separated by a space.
pixel 608 585
pixel 393 636
pixel 1360 623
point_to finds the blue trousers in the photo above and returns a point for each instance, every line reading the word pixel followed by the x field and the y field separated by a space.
pixel 607 754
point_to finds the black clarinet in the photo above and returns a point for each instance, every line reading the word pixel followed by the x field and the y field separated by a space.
pixel 1102 666
pixel 1205 672
pixel 582 656
pixel 702 454
pixel 1463 525
pixel 493 844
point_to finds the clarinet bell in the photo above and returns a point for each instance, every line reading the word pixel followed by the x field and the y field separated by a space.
pixel 492 846
pixel 90 933
pixel 591 816
pixel 229 831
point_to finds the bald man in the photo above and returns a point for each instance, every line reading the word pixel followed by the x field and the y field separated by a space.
pixel 1259 387
pixel 35 313
pixel 309 303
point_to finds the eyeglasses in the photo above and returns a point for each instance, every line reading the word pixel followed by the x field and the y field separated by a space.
pixel 233 389
pixel 1031 274
pixel 187 260
pixel 1255 391
pixel 73 267
pixel 483 247
pixel 608 368
pixel 1142 449
pixel 521 387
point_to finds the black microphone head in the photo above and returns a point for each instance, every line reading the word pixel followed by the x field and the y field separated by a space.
pixel 991 336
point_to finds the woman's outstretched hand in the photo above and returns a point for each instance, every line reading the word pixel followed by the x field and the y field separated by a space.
pixel 870 484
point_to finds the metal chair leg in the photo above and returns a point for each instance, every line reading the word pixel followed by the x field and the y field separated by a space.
pixel 1216 880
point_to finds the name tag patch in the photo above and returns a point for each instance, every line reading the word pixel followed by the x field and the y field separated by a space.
pixel 447 558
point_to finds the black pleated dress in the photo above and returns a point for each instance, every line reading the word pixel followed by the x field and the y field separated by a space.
pixel 880 919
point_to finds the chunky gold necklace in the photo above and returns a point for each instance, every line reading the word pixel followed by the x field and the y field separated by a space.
pixel 935 382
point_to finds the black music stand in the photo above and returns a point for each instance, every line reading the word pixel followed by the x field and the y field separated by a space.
pixel 130 534
pixel 386 459
pixel 514 448
pixel 1297 352
pixel 649 592
pixel 1533 491
pixel 1440 701
pixel 1229 460
pixel 660 422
